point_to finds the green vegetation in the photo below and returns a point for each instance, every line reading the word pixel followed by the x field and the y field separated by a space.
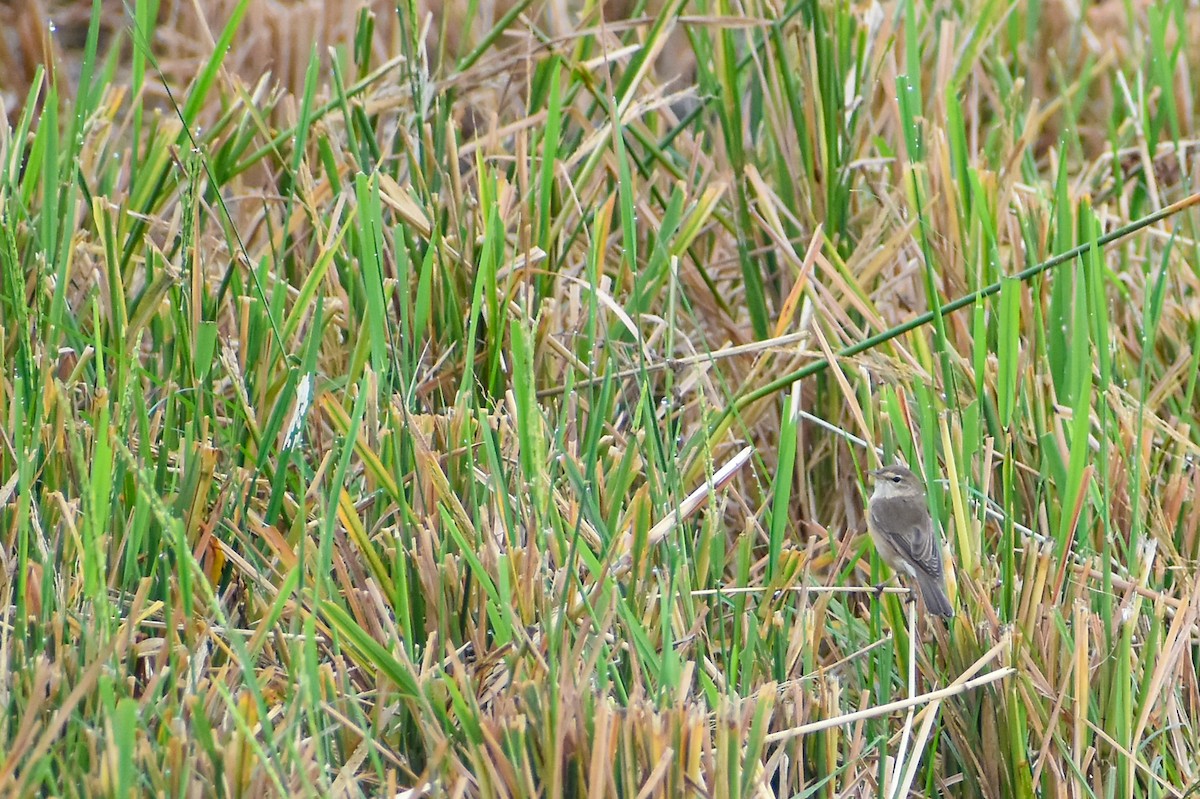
pixel 481 406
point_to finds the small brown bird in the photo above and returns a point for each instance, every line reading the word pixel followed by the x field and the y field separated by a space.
pixel 902 529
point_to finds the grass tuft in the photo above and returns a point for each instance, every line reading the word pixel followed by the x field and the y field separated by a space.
pixel 473 399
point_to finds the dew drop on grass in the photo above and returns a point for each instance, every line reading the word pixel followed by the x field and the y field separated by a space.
pixel 53 27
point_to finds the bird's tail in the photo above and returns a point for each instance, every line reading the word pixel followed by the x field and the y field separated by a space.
pixel 934 595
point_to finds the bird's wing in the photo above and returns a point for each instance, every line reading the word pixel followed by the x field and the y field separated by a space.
pixel 911 532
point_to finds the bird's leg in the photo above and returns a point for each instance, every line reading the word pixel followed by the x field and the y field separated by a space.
pixel 909 597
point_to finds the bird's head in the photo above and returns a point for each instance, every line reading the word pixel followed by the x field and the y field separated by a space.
pixel 897 481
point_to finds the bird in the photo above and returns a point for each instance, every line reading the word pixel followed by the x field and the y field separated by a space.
pixel 900 526
pixel 491 671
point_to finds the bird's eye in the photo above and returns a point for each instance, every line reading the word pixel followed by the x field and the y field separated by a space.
pixel 896 478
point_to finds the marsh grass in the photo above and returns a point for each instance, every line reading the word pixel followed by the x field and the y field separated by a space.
pixel 485 414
